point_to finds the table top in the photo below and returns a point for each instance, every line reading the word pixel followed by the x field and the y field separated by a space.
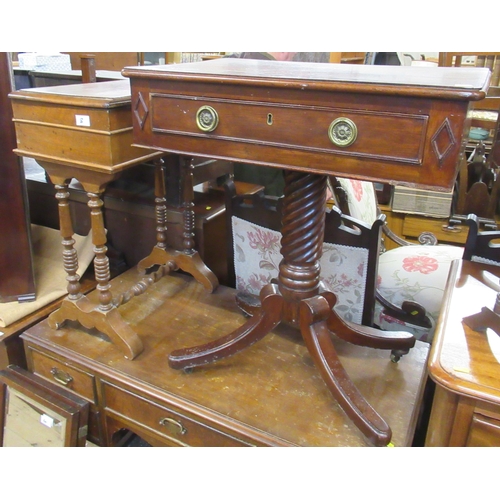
pixel 272 388
pixel 464 83
pixel 110 94
pixel 463 360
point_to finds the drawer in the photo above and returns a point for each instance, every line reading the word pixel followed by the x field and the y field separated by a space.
pixel 296 127
pixel 414 226
pixel 175 428
pixel 70 377
pixel 484 431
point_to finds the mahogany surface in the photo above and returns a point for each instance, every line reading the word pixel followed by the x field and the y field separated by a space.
pixel 465 363
pixel 16 265
pixel 386 124
pixel 268 395
pixel 412 123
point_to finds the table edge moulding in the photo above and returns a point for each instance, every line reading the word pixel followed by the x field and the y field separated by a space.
pixel 390 124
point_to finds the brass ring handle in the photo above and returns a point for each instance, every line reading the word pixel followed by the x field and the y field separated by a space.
pixel 61 377
pixel 342 132
pixel 207 119
pixel 172 425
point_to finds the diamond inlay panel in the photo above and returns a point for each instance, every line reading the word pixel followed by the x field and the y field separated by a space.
pixel 141 111
pixel 443 141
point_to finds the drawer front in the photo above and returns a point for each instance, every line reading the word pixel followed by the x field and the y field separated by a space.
pixel 176 429
pixel 304 128
pixel 70 377
pixel 484 431
pixel 414 226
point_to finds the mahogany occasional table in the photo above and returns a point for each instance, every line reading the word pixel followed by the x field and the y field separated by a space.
pixel 392 124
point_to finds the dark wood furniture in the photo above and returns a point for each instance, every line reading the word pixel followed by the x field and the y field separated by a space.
pixel 465 363
pixel 17 280
pixel 269 395
pixel 478 182
pixel 483 245
pixel 311 119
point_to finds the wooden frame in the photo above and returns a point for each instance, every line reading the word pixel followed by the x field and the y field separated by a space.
pixel 61 415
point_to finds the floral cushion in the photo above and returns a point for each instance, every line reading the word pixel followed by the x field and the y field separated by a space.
pixel 257 257
pixel 361 199
pixel 417 273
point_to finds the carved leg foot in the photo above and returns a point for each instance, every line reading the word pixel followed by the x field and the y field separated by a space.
pixel 108 322
pixel 314 314
pixel 248 334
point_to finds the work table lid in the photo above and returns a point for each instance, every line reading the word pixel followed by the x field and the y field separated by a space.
pixel 459 83
pixel 99 94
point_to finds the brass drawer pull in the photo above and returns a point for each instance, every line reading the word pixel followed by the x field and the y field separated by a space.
pixel 451 228
pixel 172 425
pixel 342 132
pixel 61 377
pixel 207 119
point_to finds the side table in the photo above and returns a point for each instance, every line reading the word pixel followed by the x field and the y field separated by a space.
pixel 465 364
pixel 313 120
pixel 84 131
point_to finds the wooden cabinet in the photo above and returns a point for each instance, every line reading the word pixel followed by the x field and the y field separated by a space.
pixel 465 364
pixel 269 395
pixel 17 280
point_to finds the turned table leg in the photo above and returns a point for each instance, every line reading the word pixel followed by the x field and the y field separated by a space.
pixel 76 306
pixel 70 255
pixel 187 259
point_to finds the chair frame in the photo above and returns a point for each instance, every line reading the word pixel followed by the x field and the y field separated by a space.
pixel 481 243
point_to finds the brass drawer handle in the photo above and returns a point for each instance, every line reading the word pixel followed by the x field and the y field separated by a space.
pixel 61 377
pixel 207 119
pixel 451 228
pixel 172 425
pixel 342 132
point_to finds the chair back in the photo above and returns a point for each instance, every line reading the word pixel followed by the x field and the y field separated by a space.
pixel 481 246
pixel 356 198
pixel 348 263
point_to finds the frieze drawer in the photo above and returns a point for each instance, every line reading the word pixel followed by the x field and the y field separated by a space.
pixel 333 131
pixel 70 377
pixel 178 429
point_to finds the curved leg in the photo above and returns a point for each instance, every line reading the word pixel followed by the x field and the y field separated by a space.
pixel 248 334
pixel 365 335
pixel 314 314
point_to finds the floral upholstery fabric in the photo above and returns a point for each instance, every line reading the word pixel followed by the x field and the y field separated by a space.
pixel 418 273
pixel 257 257
pixel 361 199
pixel 415 272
